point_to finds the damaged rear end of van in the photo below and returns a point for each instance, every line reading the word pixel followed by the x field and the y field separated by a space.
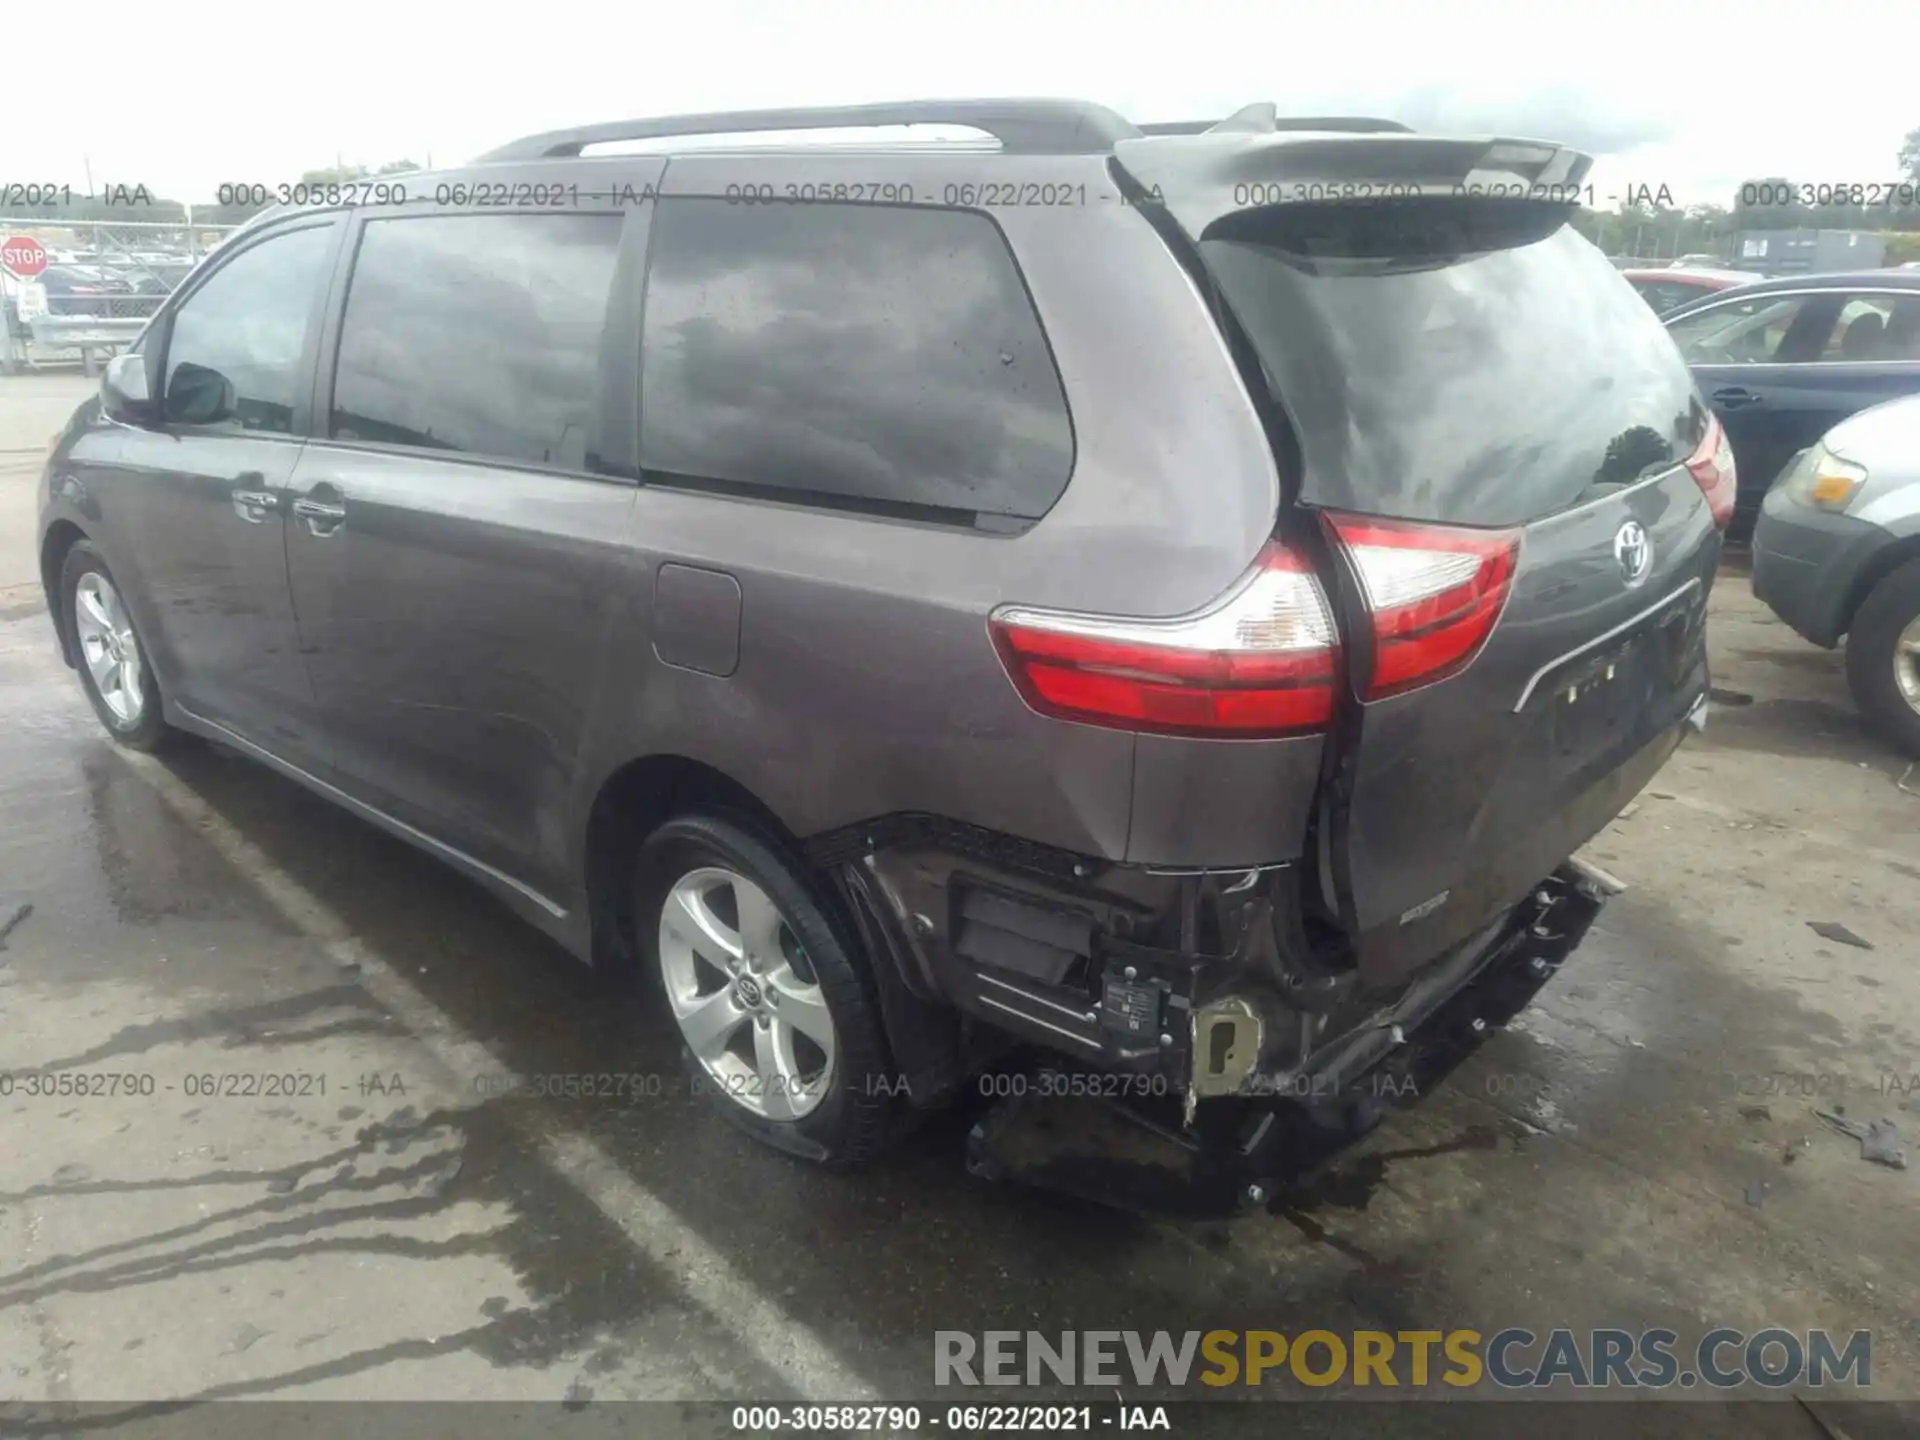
pixel 1475 631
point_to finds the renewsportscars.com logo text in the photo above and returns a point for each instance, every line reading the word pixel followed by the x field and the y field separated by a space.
pixel 1510 1359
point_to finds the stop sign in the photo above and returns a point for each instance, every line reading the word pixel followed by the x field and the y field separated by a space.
pixel 24 256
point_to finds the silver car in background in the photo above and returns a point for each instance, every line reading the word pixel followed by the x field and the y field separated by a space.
pixel 1836 554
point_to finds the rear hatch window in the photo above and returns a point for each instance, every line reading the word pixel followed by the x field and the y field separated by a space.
pixel 1470 361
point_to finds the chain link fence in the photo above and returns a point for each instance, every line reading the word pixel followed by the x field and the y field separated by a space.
pixel 103 281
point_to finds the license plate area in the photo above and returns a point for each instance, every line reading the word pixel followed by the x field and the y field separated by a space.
pixel 1611 697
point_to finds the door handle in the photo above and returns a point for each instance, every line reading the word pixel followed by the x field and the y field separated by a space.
pixel 322 510
pixel 1734 397
pixel 254 506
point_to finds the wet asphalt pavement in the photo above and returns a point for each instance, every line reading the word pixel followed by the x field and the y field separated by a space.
pixel 1638 1149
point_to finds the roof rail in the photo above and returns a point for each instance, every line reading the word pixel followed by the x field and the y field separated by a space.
pixel 1026 127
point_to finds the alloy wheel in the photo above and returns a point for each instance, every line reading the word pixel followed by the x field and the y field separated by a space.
pixel 1906 664
pixel 108 647
pixel 747 1000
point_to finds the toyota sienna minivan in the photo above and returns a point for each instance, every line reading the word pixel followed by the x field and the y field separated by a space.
pixel 1177 596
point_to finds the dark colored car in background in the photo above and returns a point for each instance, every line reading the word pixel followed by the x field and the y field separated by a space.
pixel 159 277
pixel 765 596
pixel 82 290
pixel 1783 361
pixel 1668 289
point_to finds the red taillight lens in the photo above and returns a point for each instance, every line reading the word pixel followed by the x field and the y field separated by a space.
pixel 1433 591
pixel 1712 469
pixel 1258 663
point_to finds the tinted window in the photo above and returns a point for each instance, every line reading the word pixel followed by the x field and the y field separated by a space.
pixel 1902 340
pixel 1876 327
pixel 851 354
pixel 1474 361
pixel 1761 330
pixel 233 356
pixel 478 333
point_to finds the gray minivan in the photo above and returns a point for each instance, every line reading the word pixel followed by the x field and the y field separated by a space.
pixel 1173 596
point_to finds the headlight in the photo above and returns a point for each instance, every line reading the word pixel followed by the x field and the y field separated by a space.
pixel 1823 480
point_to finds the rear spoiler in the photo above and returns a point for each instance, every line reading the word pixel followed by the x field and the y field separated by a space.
pixel 1201 178
pixel 1265 118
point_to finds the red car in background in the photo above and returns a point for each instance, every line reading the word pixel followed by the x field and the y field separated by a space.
pixel 1666 289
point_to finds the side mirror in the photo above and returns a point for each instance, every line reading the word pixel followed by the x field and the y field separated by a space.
pixel 199 395
pixel 125 394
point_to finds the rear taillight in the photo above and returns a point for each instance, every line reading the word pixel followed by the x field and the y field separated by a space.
pixel 1258 663
pixel 1433 592
pixel 1712 469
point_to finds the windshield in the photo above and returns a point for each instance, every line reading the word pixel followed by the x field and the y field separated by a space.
pixel 1475 361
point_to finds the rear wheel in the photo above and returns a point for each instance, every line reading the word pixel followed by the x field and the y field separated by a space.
pixel 1883 658
pixel 778 1018
pixel 113 664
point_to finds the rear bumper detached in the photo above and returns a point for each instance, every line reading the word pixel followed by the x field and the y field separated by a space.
pixel 1244 1154
pixel 1199 987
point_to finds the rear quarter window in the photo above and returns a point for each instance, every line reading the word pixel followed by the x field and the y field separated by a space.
pixel 881 358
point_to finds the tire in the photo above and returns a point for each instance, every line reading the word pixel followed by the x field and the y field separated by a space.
pixel 839 1113
pixel 130 706
pixel 1883 645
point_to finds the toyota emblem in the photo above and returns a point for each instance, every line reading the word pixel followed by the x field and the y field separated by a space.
pixel 1633 548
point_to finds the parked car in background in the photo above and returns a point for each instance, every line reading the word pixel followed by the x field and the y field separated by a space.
pixel 1695 262
pixel 1783 361
pixel 1669 289
pixel 73 290
pixel 900 629
pixel 1836 554
pixel 158 278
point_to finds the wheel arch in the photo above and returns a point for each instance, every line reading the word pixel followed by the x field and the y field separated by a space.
pixel 1885 561
pixel 634 800
pixel 62 535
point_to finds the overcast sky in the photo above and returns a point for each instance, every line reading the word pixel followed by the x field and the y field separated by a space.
pixel 1692 95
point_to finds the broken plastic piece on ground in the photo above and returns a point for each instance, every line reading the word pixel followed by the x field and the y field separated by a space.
pixel 1880 1145
pixel 1879 1141
pixel 1833 930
